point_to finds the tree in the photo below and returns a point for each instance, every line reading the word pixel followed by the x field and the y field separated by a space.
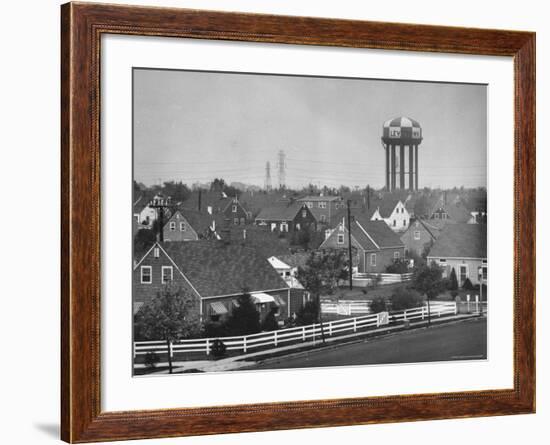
pixel 377 305
pixel 270 322
pixel 308 313
pixel 400 267
pixel 178 191
pixel 172 315
pixel 428 280
pixel 244 319
pixel 453 282
pixel 404 298
pixel 143 240
pixel 321 274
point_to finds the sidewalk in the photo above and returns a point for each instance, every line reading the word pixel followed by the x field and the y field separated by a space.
pixel 246 360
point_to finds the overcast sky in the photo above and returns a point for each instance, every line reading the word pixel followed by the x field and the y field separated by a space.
pixel 194 126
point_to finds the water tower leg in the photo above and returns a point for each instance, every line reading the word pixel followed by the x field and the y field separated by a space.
pixel 416 167
pixel 411 170
pixel 402 167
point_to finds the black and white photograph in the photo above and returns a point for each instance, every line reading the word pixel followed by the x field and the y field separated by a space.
pixel 286 222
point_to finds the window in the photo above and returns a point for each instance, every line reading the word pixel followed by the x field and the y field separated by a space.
pixel 323 218
pixel 443 260
pixel 146 275
pixel 156 252
pixel 284 227
pixel 298 226
pixel 484 273
pixel 436 215
pixel 167 274
pixel 394 223
pixel 234 209
pixel 404 222
pixel 242 221
pixel 236 221
pixel 396 255
pixel 304 213
pixel 309 204
pixel 182 226
pixel 417 234
pixel 172 226
pixel 340 238
pixel 322 205
pixel 373 259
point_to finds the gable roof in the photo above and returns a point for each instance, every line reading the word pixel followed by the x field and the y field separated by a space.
pixel 280 212
pixel 456 212
pixel 461 241
pixel 215 268
pixel 372 235
pixel 199 221
pixel 263 240
pixel 385 206
pixel 380 233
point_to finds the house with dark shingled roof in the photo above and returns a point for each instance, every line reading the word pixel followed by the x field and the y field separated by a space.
pixel 462 247
pixel 287 217
pixel 375 245
pixel 214 274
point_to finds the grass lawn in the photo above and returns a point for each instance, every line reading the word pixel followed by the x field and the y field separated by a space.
pixel 362 293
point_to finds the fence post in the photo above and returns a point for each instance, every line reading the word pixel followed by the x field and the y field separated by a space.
pixel 171 348
pixel 134 348
pixel 378 320
pixel 330 329
pixel 455 308
pixel 303 333
pixel 355 325
pixel 405 315
pixel 275 337
pixel 422 312
pixel 207 346
pixel 244 344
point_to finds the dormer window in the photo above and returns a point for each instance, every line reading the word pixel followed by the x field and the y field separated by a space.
pixel 182 227
pixel 234 208
pixel 304 213
pixel 172 226
pixel 340 238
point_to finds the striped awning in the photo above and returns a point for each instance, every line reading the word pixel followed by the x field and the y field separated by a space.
pixel 279 301
pixel 260 297
pixel 218 308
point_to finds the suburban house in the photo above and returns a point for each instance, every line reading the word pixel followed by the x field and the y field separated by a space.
pixel 453 212
pixel 265 242
pixel 214 274
pixel 287 217
pixel 392 211
pixel 323 208
pixel 421 235
pixel 287 267
pixel 144 214
pixel 462 247
pixel 376 246
pixel 235 212
pixel 191 225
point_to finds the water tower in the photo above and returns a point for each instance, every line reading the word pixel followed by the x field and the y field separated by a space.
pixel 401 132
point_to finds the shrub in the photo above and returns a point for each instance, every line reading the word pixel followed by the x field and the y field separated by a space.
pixel 399 267
pixel 378 304
pixel 218 348
pixel 308 313
pixel 467 285
pixel 453 282
pixel 404 298
pixel 151 360
pixel 270 322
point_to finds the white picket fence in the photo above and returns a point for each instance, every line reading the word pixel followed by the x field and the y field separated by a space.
pixel 281 337
pixel 346 307
pixel 366 279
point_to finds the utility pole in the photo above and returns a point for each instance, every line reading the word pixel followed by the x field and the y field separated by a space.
pixel 349 247
pixel 161 205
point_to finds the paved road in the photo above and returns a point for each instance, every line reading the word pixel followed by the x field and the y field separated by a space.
pixel 457 341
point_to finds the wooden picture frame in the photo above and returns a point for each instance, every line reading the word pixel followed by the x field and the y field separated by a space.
pixel 82 26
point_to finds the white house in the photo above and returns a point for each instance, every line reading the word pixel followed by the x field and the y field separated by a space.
pixel 393 212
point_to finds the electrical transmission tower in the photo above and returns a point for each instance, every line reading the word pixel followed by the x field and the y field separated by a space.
pixel 267 184
pixel 281 166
